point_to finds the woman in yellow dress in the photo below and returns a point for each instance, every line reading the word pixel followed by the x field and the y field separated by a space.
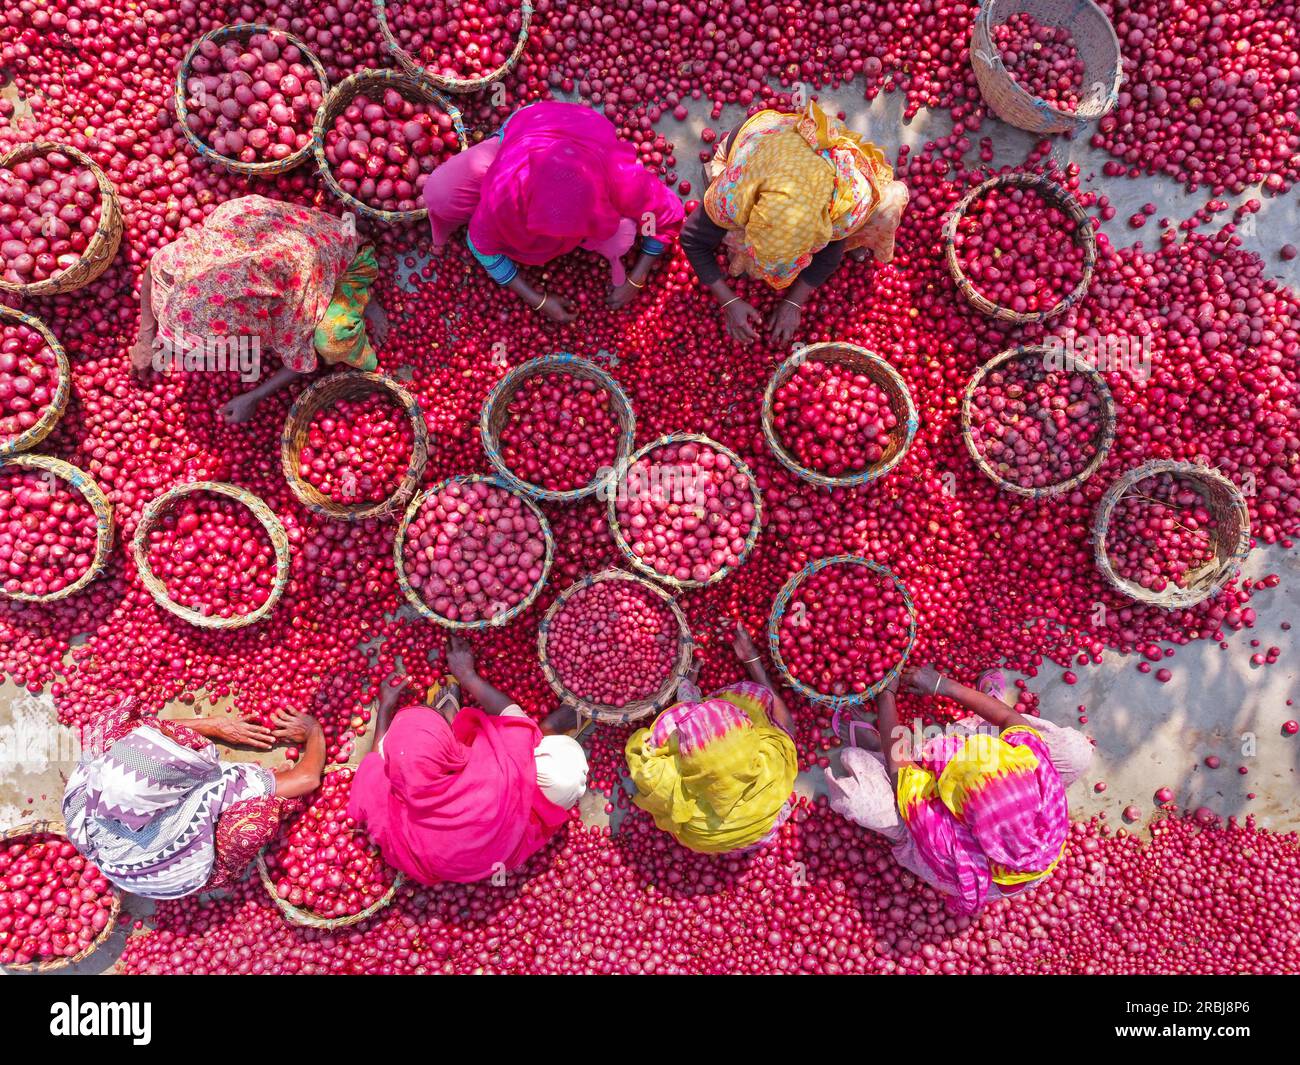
pixel 717 773
pixel 789 194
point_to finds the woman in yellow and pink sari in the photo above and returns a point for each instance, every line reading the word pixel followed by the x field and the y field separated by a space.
pixel 979 812
pixel 717 773
pixel 788 195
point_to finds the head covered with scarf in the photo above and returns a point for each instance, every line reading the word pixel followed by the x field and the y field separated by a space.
pixel 791 183
pixel 985 809
pixel 715 773
pixel 557 178
pixel 146 809
pixel 455 802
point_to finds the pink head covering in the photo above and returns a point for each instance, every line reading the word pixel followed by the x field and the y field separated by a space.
pixel 454 802
pixel 560 179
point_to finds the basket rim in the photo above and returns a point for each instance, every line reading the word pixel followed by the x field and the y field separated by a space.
pixel 108 234
pixel 637 708
pixel 991 60
pixel 1085 237
pixel 413 596
pixel 451 84
pixel 1212 576
pixel 266 517
pixel 268 167
pixel 56 827
pixel 304 918
pixel 1104 440
pixel 290 449
pixel 94 496
pixel 57 406
pixel 814 353
pixel 346 90
pixel 778 611
pixel 562 363
pixel 616 528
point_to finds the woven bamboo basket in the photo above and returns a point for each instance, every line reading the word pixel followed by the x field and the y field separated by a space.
pixel 1232 540
pixel 447 84
pixel 241 32
pixel 417 90
pixel 154 511
pixel 92 494
pixel 417 601
pixel 496 412
pixel 639 708
pixel 325 393
pixel 1105 435
pixel 58 828
pixel 49 418
pixel 778 612
pixel 1095 41
pixel 307 919
pixel 1084 237
pixel 618 489
pixel 103 245
pixel 859 360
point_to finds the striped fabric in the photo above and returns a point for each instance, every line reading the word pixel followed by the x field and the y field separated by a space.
pixel 500 268
pixel 145 810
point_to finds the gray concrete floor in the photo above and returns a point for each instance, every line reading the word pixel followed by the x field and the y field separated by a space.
pixel 1148 735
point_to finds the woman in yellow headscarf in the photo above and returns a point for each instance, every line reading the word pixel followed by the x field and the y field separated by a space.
pixel 717 774
pixel 789 194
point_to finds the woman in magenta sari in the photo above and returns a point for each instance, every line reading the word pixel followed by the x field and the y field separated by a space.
pixel 555 178
pixel 978 812
pixel 459 794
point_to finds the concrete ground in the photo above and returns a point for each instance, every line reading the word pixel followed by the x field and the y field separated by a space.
pixel 1148 735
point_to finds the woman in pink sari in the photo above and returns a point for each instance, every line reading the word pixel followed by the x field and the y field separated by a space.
pixel 978 812
pixel 459 794
pixel 555 178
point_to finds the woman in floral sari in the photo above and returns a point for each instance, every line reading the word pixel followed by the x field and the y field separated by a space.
pixel 717 773
pixel 260 276
pixel 788 195
pixel 152 805
pixel 555 178
pixel 979 812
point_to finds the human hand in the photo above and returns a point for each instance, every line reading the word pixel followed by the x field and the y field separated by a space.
pixel 392 691
pixel 923 679
pixel 622 295
pixel 460 659
pixel 235 733
pixel 141 355
pixel 377 323
pixel 294 727
pixel 743 644
pixel 742 321
pixel 239 410
pixel 783 321
pixel 557 309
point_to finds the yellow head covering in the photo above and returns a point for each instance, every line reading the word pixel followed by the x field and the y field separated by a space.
pixel 788 186
pixel 724 795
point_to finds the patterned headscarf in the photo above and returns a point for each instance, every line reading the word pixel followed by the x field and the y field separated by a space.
pixel 985 809
pixel 791 184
